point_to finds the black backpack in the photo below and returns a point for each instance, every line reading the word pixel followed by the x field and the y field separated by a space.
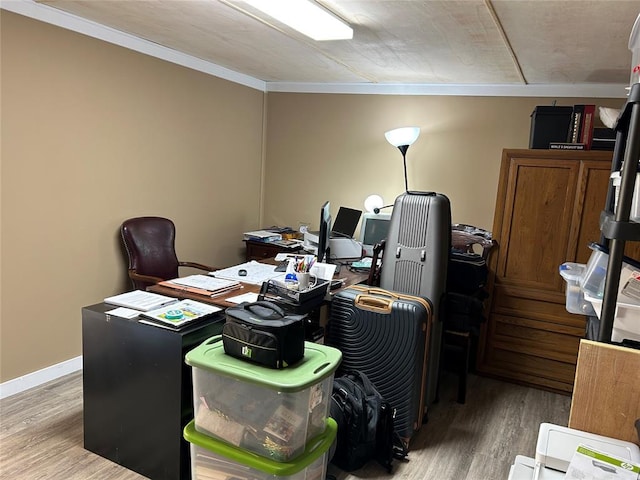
pixel 365 424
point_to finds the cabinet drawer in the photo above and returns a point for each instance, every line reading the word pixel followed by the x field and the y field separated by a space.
pixel 262 250
pixel 530 370
pixel 535 338
pixel 521 302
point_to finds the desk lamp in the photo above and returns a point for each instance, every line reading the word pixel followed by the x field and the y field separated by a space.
pixel 374 203
pixel 403 138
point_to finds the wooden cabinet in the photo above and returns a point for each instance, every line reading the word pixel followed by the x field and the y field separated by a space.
pixel 547 211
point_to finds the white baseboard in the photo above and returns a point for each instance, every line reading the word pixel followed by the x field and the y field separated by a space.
pixel 39 377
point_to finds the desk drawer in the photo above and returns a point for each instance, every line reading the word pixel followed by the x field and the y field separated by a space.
pixel 261 250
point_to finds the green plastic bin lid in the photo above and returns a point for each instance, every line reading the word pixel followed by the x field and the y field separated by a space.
pixel 319 362
pixel 313 450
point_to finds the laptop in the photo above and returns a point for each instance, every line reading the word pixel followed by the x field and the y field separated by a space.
pixel 346 222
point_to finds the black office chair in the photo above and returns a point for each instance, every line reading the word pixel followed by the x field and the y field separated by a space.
pixel 150 245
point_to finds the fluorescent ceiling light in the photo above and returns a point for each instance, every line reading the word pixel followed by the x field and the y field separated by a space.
pixel 307 17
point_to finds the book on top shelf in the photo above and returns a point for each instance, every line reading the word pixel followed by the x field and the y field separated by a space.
pixel 586 130
pixel 575 126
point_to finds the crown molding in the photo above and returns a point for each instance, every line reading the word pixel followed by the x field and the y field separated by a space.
pixel 44 13
pixel 587 90
pixel 56 17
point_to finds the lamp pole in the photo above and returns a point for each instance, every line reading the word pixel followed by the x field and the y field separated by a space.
pixel 403 149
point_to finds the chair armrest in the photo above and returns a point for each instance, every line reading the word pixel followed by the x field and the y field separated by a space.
pixel 133 275
pixel 199 266
pixel 374 271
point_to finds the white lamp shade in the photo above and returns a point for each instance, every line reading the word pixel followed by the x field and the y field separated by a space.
pixel 372 202
pixel 402 136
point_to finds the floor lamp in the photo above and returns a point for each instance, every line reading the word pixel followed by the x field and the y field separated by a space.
pixel 403 138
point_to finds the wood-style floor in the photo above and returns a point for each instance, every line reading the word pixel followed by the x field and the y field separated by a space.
pixel 41 434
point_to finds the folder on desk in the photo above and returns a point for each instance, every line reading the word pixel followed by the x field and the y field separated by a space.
pixel 202 285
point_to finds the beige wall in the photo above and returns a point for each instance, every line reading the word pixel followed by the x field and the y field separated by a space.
pixel 93 134
pixel 336 144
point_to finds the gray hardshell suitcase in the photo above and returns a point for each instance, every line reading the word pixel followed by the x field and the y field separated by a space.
pixel 416 257
pixel 385 335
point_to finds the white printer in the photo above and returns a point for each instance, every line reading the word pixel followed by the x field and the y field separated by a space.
pixel 555 448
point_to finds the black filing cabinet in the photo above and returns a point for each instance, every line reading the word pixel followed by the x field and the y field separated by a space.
pixel 138 391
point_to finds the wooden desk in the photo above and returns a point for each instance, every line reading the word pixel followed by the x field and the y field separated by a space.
pixel 350 278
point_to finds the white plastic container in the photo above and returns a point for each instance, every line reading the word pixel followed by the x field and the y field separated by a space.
pixel 269 412
pixel 593 280
pixel 634 214
pixel 573 273
pixel 626 322
pixel 634 46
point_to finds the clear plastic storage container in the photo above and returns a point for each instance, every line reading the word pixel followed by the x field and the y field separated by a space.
pixel 596 270
pixel 573 273
pixel 593 281
pixel 626 320
pixel 214 459
pixel 269 412
pixel 634 214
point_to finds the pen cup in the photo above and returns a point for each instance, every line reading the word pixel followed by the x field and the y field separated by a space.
pixel 306 280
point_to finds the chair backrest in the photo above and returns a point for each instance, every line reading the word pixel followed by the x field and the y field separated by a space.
pixel 464 241
pixel 150 245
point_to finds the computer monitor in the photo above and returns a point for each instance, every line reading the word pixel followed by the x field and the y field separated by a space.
pixel 374 229
pixel 346 222
pixel 324 233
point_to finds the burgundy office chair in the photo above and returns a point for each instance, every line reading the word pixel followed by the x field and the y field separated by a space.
pixel 150 245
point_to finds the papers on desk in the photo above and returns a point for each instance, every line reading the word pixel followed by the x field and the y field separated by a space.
pixel 324 271
pixel 140 300
pixel 256 272
pixel 262 236
pixel 123 312
pixel 180 313
pixel 203 285
pixel 245 297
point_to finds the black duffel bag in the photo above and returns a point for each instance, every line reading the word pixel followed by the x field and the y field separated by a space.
pixel 263 333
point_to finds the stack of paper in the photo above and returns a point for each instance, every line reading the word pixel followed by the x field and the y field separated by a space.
pixel 250 272
pixel 203 285
pixel 262 236
pixel 140 300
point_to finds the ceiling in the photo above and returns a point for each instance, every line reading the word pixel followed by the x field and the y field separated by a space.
pixel 397 44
